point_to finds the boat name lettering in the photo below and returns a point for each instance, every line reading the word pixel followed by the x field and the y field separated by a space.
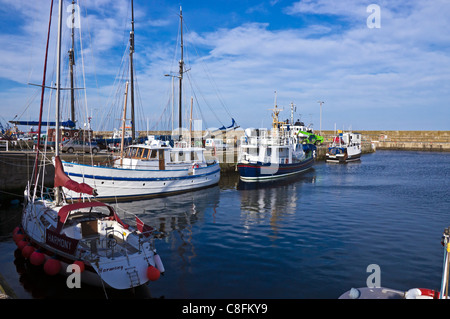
pixel 61 241
pixel 103 270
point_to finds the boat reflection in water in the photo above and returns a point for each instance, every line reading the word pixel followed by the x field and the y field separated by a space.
pixel 272 200
pixel 172 213
pixel 173 217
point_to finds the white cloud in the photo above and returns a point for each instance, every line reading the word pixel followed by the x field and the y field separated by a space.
pixel 404 65
pixel 360 73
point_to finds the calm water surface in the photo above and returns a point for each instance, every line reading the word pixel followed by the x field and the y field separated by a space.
pixel 308 237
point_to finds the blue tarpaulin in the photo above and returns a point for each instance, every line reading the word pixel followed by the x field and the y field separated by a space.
pixel 67 123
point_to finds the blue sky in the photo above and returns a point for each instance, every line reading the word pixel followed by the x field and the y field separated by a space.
pixel 396 77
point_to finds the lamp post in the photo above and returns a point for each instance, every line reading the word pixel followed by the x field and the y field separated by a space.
pixel 321 102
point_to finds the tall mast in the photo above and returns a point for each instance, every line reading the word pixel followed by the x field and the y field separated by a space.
pixel 42 96
pixel 58 78
pixel 133 135
pixel 71 64
pixel 123 124
pixel 58 89
pixel 181 73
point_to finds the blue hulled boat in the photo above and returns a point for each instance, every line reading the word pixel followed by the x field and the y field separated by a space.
pixel 278 153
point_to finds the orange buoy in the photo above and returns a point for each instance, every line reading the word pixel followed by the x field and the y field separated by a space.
pixel 27 251
pixel 153 273
pixel 80 264
pixel 52 266
pixel 21 244
pixel 18 236
pixel 37 258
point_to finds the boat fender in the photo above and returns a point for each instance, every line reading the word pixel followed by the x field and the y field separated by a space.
pixel 27 251
pixel 421 293
pixel 158 263
pixel 153 273
pixel 21 244
pixel 52 266
pixel 37 258
pixel 80 264
pixel 18 236
pixel 354 293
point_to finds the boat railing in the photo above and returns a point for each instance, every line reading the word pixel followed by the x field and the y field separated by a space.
pixel 4 144
pixel 112 244
pixel 266 140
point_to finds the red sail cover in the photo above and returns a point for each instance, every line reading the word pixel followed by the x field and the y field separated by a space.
pixel 61 179
pixel 64 212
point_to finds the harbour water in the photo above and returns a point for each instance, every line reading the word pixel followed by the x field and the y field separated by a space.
pixel 312 236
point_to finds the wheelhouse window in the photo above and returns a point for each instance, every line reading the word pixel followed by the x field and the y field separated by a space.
pixel 194 156
pixel 145 153
pixel 139 153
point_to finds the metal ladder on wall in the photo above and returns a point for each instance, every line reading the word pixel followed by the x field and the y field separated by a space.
pixel 134 277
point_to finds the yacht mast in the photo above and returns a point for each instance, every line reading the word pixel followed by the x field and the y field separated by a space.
pixel 123 124
pixel 133 128
pixel 180 77
pixel 42 96
pixel 71 64
pixel 58 89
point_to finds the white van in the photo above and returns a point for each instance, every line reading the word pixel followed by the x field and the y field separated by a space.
pixel 216 143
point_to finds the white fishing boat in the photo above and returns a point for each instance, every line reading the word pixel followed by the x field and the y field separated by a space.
pixel 413 293
pixel 149 169
pixel 87 236
pixel 346 147
pixel 278 153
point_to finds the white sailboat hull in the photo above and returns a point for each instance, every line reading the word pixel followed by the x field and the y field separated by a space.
pixel 128 184
pixel 106 265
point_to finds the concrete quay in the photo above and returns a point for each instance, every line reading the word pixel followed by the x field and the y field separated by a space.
pixel 16 167
pixel 434 141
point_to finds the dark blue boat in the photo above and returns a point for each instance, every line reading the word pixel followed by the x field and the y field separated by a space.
pixel 259 171
pixel 278 153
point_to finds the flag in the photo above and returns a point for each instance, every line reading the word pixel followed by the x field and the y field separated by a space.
pixel 144 229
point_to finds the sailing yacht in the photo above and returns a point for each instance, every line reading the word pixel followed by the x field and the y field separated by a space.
pixel 149 169
pixel 87 237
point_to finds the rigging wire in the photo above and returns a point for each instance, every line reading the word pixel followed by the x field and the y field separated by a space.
pixel 209 77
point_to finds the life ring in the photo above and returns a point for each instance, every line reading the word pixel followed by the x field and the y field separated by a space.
pixel 195 165
pixel 75 134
